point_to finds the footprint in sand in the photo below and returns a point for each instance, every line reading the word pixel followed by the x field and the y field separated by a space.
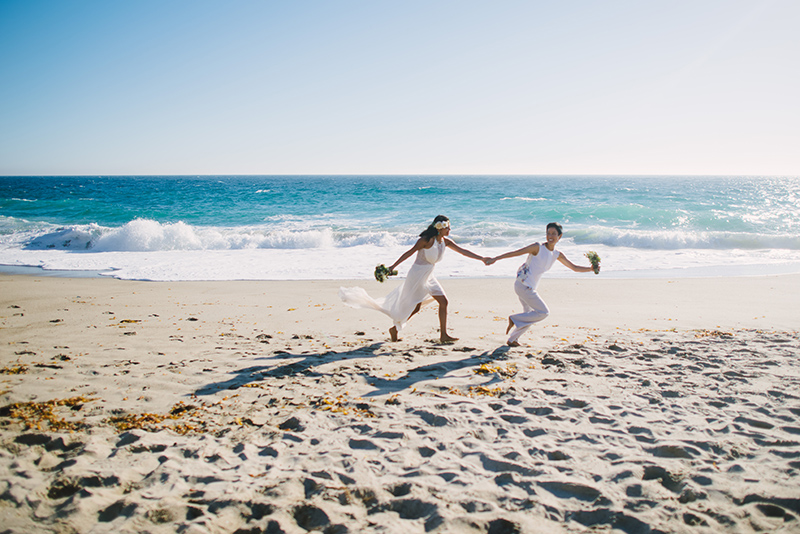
pixel 514 419
pixel 364 444
pixel 575 403
pixel 472 507
pixel 674 451
pixel 432 419
pixel 293 423
pixel 572 490
pixel 268 451
pixel 669 480
pixel 310 517
pixel 501 466
pixel 610 518
pixel 412 508
pixel 754 423
pixel 119 508
pixel 540 410
pixel 426 452
pixel 390 435
pixel 502 526
pixel 534 432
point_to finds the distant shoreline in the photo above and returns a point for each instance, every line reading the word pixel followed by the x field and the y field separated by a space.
pixel 745 271
pixel 767 301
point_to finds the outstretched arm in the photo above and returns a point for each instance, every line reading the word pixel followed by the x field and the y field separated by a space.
pixel 530 249
pixel 577 268
pixel 463 251
pixel 420 244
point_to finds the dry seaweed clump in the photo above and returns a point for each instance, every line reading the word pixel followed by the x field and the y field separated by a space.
pixel 144 421
pixel 154 422
pixel 478 391
pixel 509 371
pixel 43 415
pixel 14 370
pixel 712 333
pixel 343 406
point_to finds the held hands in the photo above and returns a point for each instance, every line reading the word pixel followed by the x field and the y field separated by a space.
pixel 489 261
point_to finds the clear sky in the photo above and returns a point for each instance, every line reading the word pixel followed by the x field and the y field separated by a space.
pixel 400 87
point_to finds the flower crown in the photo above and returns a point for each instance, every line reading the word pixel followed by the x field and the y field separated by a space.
pixel 441 225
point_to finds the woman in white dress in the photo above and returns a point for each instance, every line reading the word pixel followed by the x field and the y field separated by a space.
pixel 540 259
pixel 419 287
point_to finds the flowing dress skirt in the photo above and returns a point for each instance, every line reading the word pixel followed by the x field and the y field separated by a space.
pixel 417 288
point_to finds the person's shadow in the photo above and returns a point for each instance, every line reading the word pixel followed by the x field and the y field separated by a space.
pixel 307 365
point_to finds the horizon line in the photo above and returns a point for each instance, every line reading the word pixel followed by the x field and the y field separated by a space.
pixel 640 175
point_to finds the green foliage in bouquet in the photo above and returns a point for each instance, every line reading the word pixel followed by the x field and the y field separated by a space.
pixel 382 273
pixel 595 260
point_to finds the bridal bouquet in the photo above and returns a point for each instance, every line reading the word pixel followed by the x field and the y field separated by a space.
pixel 595 260
pixel 382 273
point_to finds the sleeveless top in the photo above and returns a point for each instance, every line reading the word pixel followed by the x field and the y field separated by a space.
pixel 534 267
pixel 429 256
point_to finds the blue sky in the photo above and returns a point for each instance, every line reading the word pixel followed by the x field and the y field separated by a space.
pixel 411 87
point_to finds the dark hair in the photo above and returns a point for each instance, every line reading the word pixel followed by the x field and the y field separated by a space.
pixel 431 230
pixel 556 226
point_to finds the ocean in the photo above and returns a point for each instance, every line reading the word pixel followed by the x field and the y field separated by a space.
pixel 340 227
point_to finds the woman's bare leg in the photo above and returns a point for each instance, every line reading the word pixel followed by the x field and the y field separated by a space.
pixel 444 337
pixel 393 330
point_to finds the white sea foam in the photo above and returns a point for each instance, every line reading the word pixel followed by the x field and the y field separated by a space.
pixel 148 235
pixel 143 235
pixel 298 249
pixel 682 239
pixel 358 262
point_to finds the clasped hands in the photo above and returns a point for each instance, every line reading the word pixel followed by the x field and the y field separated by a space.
pixel 489 261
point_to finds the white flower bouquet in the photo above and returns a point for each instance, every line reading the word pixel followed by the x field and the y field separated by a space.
pixel 382 273
pixel 594 258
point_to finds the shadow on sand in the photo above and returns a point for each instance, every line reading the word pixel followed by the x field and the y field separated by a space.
pixel 307 365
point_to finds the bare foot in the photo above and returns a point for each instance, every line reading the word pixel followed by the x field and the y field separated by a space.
pixel 393 334
pixel 448 339
pixel 510 325
pixel 513 344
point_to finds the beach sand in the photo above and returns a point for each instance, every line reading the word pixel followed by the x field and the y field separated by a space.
pixel 638 406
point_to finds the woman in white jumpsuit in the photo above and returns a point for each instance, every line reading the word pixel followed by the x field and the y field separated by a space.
pixel 540 259
pixel 419 287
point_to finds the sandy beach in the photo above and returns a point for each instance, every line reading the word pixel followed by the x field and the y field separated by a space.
pixel 638 406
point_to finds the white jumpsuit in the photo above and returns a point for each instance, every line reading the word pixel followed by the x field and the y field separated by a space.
pixel 528 276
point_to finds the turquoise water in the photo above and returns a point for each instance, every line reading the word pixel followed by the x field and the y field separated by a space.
pixel 682 222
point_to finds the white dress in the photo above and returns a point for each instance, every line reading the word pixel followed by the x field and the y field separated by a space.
pixel 418 288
